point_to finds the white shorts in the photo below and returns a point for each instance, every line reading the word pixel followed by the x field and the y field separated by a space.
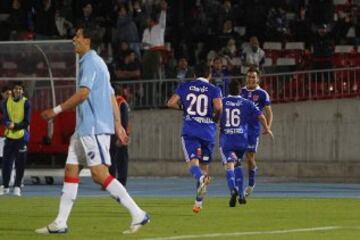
pixel 89 150
pixel 2 143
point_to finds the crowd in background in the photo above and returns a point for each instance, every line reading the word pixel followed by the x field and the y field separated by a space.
pixel 140 35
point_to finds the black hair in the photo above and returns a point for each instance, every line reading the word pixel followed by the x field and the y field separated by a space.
pixel 18 83
pixel 202 70
pixel 254 69
pixel 91 31
pixel 234 87
pixel 5 88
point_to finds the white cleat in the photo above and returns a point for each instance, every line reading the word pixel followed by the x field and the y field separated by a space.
pixel 51 228
pixel 17 191
pixel 248 190
pixel 4 191
pixel 204 182
pixel 134 227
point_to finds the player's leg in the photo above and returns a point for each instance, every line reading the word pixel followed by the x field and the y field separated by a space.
pixel 228 159
pixel 122 168
pixel 239 178
pixel 251 163
pixel 20 161
pixel 69 190
pixel 7 165
pixel 98 158
pixel 114 160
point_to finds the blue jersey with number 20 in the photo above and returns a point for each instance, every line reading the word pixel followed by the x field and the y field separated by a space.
pixel 196 98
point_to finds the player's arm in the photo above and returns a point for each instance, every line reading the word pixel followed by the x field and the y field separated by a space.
pixel 218 106
pixel 265 125
pixel 119 130
pixel 80 96
pixel 268 115
pixel 174 102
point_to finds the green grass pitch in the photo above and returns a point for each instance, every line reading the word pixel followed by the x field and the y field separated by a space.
pixel 102 218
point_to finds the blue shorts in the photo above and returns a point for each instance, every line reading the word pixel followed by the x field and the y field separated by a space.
pixel 231 155
pixel 253 142
pixel 196 148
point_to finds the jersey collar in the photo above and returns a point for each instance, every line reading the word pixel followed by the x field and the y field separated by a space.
pixel 202 79
pixel 251 90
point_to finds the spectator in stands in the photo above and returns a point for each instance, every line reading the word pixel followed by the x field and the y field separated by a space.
pixel 183 71
pixel 252 56
pixel 232 52
pixel 153 38
pixel 323 44
pixel 118 151
pixel 64 27
pixel 341 27
pixel 126 30
pixel 226 12
pixel 220 74
pixel 129 68
pixel 227 33
pixel 44 19
pixel 17 115
pixel 321 12
pixel 139 16
pixel 17 20
pixel 87 15
pixel 255 18
pixel 300 28
pixel 277 25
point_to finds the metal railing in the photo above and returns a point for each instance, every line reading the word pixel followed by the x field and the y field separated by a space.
pixel 282 87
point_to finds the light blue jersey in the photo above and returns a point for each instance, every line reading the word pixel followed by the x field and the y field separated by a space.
pixel 95 114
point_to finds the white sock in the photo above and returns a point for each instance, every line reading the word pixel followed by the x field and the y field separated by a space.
pixel 67 199
pixel 117 191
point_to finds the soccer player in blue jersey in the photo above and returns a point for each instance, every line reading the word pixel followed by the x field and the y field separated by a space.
pixel 260 97
pixel 237 113
pixel 97 115
pixel 202 106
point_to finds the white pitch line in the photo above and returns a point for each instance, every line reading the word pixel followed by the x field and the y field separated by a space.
pixel 214 235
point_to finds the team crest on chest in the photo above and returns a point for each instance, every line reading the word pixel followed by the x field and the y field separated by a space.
pixel 255 98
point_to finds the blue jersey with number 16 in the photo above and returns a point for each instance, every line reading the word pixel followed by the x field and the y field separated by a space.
pixel 237 113
pixel 196 98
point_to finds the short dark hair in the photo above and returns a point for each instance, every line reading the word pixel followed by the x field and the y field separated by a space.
pixel 234 87
pixel 91 31
pixel 18 83
pixel 254 69
pixel 5 88
pixel 202 70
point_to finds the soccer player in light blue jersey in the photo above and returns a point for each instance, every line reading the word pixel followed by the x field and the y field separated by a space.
pixel 253 92
pixel 97 115
pixel 201 104
pixel 237 113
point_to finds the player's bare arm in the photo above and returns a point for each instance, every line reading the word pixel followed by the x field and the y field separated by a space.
pixel 265 125
pixel 217 102
pixel 119 130
pixel 81 95
pixel 268 115
pixel 174 102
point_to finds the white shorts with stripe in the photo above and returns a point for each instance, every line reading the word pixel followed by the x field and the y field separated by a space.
pixel 90 150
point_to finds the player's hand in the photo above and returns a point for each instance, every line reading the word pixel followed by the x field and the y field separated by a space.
pixel 268 131
pixel 11 125
pixel 122 136
pixel 48 114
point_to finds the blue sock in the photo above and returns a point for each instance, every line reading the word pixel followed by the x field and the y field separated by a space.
pixel 230 177
pixel 252 175
pixel 196 172
pixel 239 180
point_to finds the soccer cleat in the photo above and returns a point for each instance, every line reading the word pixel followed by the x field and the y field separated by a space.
pixel 204 182
pixel 196 208
pixel 232 201
pixel 248 190
pixel 52 228
pixel 242 200
pixel 134 227
pixel 17 191
pixel 4 191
